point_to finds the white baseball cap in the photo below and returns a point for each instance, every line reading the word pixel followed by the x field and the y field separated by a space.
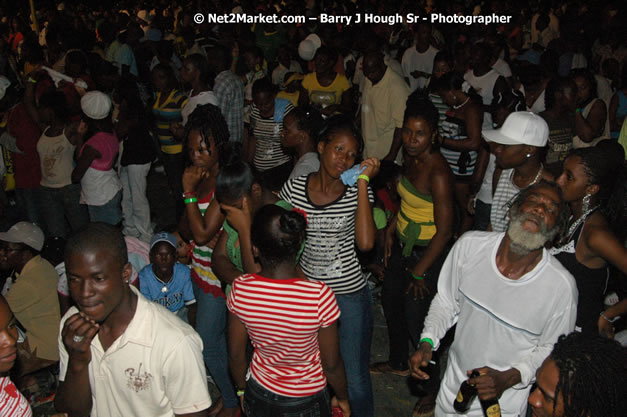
pixel 25 232
pixel 96 105
pixel 4 84
pixel 520 128
pixel 308 47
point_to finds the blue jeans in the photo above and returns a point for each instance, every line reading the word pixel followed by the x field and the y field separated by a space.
pixel 28 205
pixel 110 212
pixel 60 206
pixel 259 402
pixel 355 331
pixel 211 326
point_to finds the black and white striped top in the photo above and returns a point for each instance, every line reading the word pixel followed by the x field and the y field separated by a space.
pixel 329 255
pixel 268 150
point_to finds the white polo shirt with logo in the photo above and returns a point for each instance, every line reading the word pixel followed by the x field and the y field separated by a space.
pixel 155 368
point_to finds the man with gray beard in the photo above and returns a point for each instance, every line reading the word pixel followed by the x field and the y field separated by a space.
pixel 511 300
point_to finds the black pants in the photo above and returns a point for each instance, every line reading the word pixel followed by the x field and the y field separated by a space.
pixel 404 314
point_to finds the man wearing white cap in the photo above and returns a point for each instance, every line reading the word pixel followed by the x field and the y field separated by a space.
pixel 31 294
pixel 518 150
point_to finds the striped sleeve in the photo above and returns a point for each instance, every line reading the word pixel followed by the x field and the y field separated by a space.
pixel 327 307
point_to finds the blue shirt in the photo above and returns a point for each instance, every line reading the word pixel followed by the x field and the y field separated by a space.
pixel 172 295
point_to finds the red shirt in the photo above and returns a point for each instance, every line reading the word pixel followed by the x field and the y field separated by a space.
pixel 26 133
pixel 283 318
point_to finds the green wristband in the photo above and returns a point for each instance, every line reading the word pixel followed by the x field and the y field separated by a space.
pixel 426 339
pixel 190 200
pixel 364 177
pixel 240 392
pixel 578 110
pixel 418 277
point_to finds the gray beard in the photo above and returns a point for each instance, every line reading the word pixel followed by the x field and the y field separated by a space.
pixel 524 242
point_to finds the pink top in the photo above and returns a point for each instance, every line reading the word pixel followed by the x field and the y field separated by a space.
pixel 108 146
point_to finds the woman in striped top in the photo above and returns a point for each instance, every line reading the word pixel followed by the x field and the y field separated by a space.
pixel 266 121
pixel 461 140
pixel 338 215
pixel 166 111
pixel 292 324
pixel 206 134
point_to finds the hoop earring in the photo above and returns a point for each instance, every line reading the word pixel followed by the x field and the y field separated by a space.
pixel 585 203
pixel 528 155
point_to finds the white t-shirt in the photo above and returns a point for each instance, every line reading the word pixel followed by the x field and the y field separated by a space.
pixel 484 86
pixel 155 368
pixel 417 61
pixel 502 67
pixel 501 323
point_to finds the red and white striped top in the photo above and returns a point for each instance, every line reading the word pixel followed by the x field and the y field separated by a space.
pixel 283 318
pixel 12 402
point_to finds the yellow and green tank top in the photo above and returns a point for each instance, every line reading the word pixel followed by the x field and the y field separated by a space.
pixel 416 223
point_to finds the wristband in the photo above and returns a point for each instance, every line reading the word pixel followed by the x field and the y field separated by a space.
pixel 578 110
pixel 364 177
pixel 608 319
pixel 32 80
pixel 240 392
pixel 426 339
pixel 189 194
pixel 417 277
pixel 190 200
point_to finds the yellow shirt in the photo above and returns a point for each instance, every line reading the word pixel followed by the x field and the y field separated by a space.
pixel 325 96
pixel 416 219
pixel 33 299
pixel 382 111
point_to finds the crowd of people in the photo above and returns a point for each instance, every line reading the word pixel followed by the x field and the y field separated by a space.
pixel 476 173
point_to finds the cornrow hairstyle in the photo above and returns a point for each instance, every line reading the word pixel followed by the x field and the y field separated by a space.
pixel 592 375
pixel 423 108
pixel 98 236
pixel 278 234
pixel 208 120
pixel 604 165
pixel 563 213
pixel 341 123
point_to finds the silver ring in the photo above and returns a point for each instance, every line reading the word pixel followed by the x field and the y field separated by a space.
pixel 78 338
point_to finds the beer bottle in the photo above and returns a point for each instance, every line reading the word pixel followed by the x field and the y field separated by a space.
pixel 465 395
pixel 491 408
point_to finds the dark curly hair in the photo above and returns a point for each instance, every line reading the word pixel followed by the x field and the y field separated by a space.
pixel 604 166
pixel 278 234
pixel 423 108
pixel 341 123
pixel 208 120
pixel 592 375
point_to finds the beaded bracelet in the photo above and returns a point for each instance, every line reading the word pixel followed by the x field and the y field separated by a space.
pixel 417 277
pixel 364 177
pixel 190 200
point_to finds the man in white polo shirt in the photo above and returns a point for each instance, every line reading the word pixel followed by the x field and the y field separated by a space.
pixel 121 355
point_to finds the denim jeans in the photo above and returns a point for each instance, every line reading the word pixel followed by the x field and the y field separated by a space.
pixel 60 206
pixel 135 207
pixel 355 331
pixel 211 326
pixel 110 212
pixel 260 402
pixel 28 204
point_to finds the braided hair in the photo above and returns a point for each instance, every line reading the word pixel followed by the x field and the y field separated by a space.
pixel 592 375
pixel 278 234
pixel 604 166
pixel 208 120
